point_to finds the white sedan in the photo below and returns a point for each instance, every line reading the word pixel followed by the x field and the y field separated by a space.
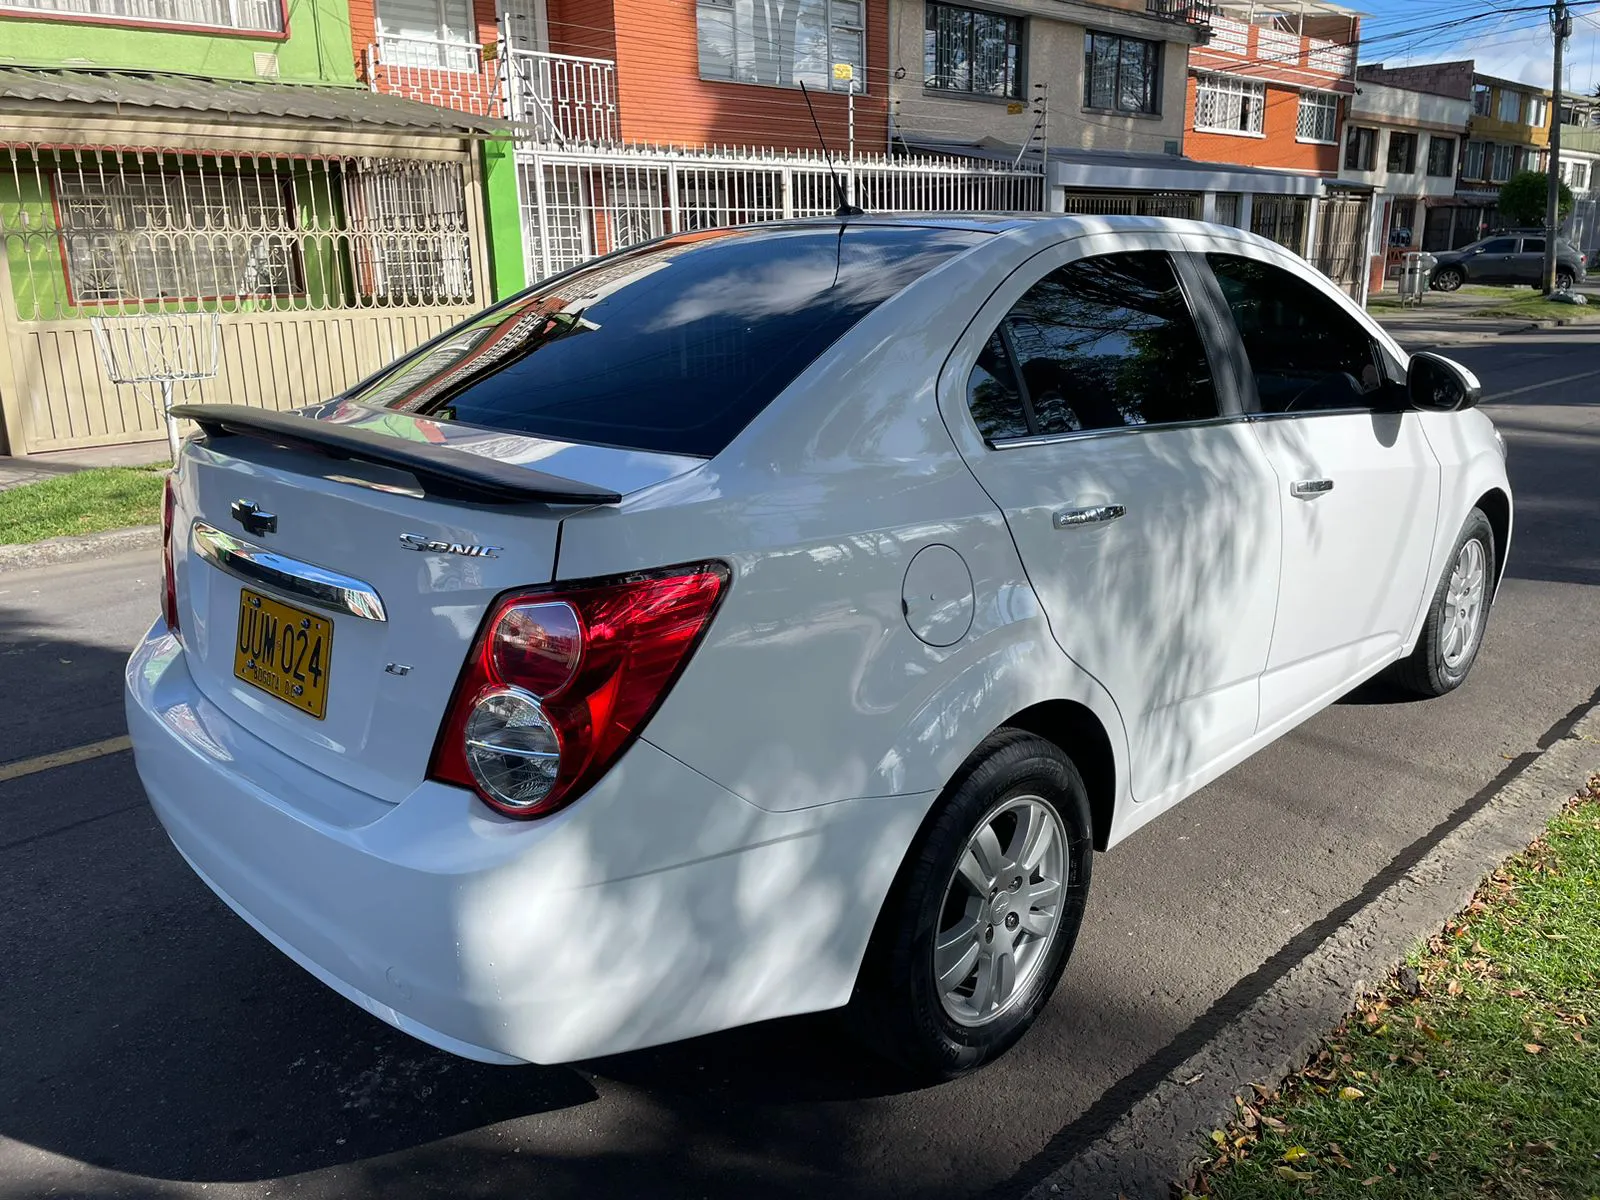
pixel 773 620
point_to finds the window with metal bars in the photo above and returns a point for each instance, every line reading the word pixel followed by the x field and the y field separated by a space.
pixel 1121 74
pixel 410 223
pixel 1318 119
pixel 784 44
pixel 969 50
pixel 1223 104
pixel 176 236
pixel 262 16
pixel 1472 162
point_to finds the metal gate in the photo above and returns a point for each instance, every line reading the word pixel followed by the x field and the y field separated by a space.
pixel 1341 249
pixel 1282 219
pixel 1133 204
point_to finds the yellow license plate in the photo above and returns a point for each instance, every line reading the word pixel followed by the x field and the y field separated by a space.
pixel 284 652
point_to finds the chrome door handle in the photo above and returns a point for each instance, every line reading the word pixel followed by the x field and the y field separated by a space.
pixel 1098 514
pixel 1310 489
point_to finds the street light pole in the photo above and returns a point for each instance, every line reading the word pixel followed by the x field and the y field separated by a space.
pixel 1561 25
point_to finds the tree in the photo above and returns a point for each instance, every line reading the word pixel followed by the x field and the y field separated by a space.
pixel 1524 198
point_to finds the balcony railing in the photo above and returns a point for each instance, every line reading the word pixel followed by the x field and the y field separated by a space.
pixel 554 99
pixel 1195 12
pixel 1315 60
pixel 447 74
pixel 561 99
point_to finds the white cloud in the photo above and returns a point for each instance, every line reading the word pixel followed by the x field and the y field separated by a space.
pixel 1523 54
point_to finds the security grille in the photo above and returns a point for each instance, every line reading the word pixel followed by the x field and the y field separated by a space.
pixel 103 231
pixel 1226 105
pixel 1318 119
pixel 1133 204
pixel 1282 219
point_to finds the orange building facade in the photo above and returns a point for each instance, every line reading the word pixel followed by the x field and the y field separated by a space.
pixel 1270 89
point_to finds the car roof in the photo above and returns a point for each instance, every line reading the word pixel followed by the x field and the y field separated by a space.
pixel 1065 225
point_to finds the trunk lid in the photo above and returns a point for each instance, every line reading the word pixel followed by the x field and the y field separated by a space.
pixel 388 571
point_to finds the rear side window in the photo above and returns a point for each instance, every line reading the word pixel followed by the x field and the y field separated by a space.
pixel 674 347
pixel 1101 343
pixel 1533 245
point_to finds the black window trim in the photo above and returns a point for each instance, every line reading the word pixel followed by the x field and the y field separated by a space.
pixel 1158 89
pixel 1021 81
pixel 1191 286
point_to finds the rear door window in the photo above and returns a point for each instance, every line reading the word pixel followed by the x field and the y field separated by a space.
pixel 1101 343
pixel 674 347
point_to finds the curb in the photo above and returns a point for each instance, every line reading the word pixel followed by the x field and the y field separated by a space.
pixel 1159 1139
pixel 55 551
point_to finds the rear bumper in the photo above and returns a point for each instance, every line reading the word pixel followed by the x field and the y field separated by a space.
pixel 659 906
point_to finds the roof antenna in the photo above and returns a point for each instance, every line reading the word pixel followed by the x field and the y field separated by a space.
pixel 845 209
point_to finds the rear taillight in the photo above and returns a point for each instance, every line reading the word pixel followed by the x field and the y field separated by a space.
pixel 563 678
pixel 169 575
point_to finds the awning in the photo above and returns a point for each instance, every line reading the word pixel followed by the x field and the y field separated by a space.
pixel 1126 171
pixel 329 107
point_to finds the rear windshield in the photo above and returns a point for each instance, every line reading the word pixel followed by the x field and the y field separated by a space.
pixel 674 347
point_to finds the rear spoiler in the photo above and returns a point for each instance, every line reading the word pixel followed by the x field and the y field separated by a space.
pixel 441 470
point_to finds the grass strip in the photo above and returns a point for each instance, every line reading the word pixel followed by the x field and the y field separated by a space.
pixel 1474 1071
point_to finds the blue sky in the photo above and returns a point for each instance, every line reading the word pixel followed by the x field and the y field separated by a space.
pixel 1512 45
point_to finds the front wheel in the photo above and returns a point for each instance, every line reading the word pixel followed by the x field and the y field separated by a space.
pixel 1457 616
pixel 984 914
pixel 1448 279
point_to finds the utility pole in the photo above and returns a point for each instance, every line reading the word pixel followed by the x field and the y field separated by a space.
pixel 1561 25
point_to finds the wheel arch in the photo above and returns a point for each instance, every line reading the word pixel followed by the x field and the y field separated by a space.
pixel 1496 505
pixel 1079 734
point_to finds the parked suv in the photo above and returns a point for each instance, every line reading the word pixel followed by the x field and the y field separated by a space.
pixel 1515 257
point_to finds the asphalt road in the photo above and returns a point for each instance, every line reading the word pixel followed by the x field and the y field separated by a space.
pixel 151 1043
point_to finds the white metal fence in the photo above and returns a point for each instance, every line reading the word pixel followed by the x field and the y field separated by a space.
pixel 583 203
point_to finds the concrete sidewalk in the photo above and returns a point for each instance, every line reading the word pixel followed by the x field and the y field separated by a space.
pixel 14 472
pixel 1444 320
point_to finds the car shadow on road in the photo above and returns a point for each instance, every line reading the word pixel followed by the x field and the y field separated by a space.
pixel 151 1032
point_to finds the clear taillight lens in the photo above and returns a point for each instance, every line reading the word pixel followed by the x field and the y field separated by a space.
pixel 562 679
pixel 169 574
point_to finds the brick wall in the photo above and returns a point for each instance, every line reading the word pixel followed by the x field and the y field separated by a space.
pixel 663 99
pixel 1444 79
pixel 582 27
pixel 1278 149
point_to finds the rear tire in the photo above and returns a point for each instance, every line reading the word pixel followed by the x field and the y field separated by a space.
pixel 976 889
pixel 1457 615
pixel 1447 279
pixel 1564 280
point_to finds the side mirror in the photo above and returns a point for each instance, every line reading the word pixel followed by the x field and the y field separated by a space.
pixel 1435 383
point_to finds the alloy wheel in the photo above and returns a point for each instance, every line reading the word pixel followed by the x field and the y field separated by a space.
pixel 1001 911
pixel 1463 605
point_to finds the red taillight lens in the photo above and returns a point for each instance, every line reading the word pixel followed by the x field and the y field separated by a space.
pixel 562 679
pixel 169 575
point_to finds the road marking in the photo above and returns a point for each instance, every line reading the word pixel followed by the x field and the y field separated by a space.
pixel 1535 387
pixel 62 758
